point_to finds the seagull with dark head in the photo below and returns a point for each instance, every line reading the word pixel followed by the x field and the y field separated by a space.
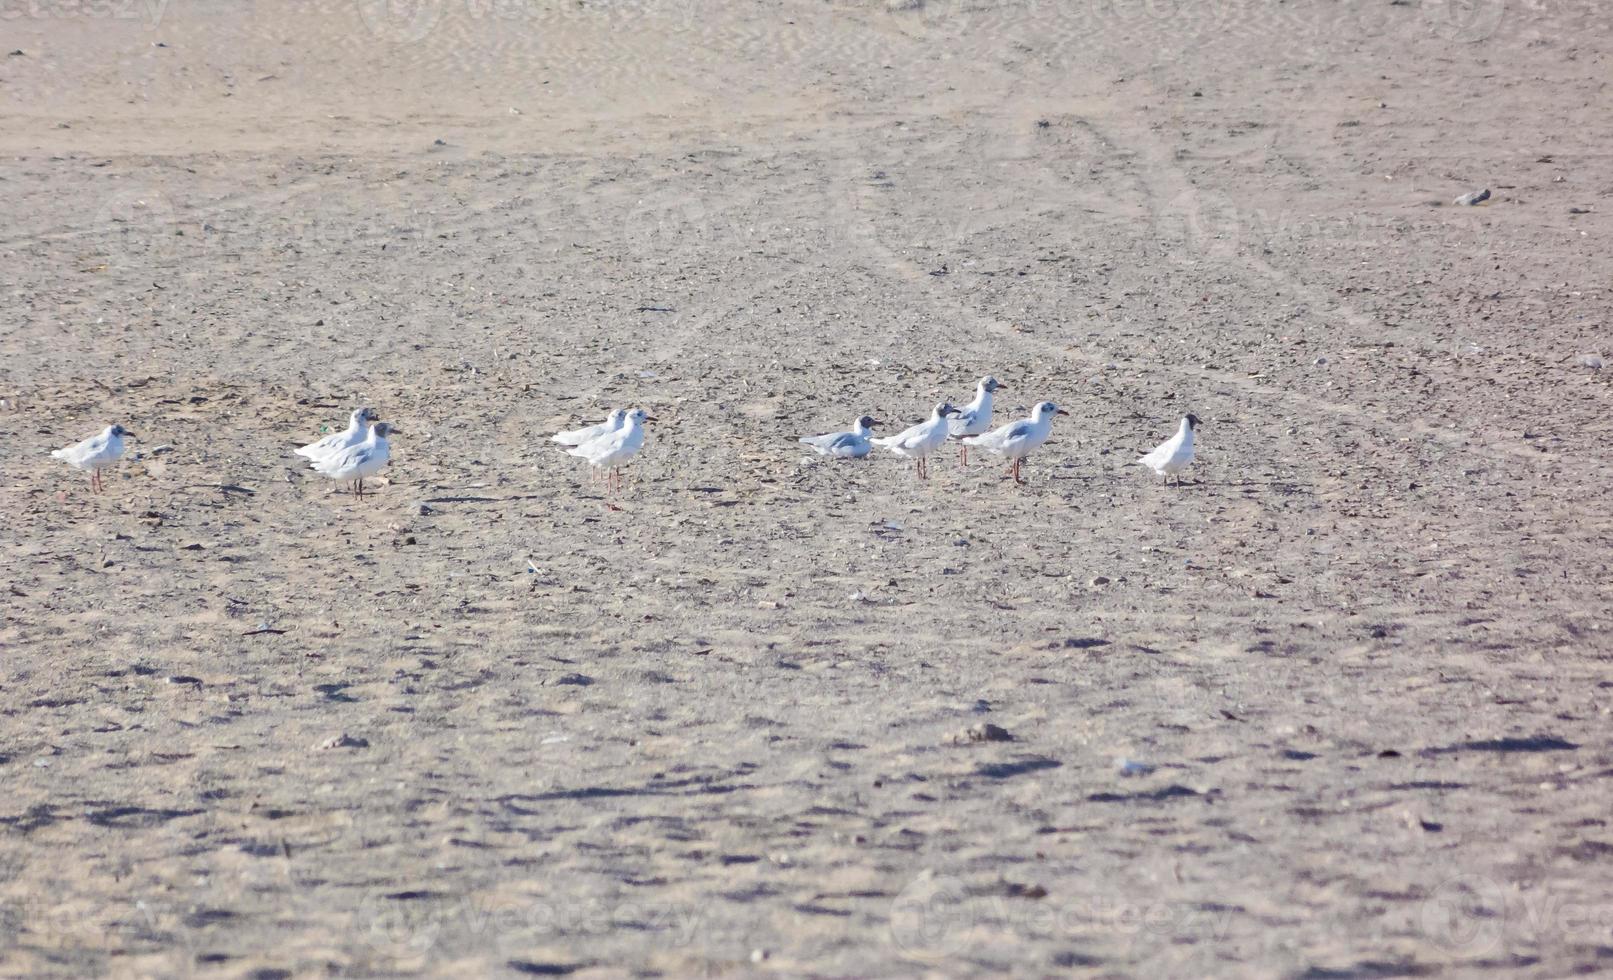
pixel 357 463
pixel 357 431
pixel 95 453
pixel 613 450
pixel 1172 456
pixel 846 445
pixel 919 441
pixel 974 418
pixel 1019 439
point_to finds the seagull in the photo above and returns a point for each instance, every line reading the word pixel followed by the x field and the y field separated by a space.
pixel 577 437
pixel 975 418
pixel 355 433
pixel 611 450
pixel 357 463
pixel 846 445
pixel 1019 439
pixel 95 453
pixel 921 440
pixel 1171 457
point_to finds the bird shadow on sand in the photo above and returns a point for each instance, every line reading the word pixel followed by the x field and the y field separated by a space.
pixel 693 786
pixel 1539 743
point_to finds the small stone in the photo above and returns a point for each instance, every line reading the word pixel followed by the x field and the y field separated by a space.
pixel 1319 361
pixel 1131 767
pixel 983 732
pixel 1100 580
pixel 758 955
pixel 1473 197
pixel 1592 361
pixel 344 741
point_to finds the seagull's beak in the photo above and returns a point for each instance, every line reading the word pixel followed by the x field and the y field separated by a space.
pixel 651 418
pixel 1060 412
pixel 1000 387
pixel 875 423
pixel 393 430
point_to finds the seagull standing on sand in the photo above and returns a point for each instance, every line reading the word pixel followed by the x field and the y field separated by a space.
pixel 846 445
pixel 355 464
pixel 975 417
pixel 356 432
pixel 577 437
pixel 918 442
pixel 614 449
pixel 1173 455
pixel 1019 439
pixel 95 453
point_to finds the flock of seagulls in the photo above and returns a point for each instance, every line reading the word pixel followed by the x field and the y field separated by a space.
pixel 360 451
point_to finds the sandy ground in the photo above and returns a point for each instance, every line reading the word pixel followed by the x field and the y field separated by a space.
pixel 481 724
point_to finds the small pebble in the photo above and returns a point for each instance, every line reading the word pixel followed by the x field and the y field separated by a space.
pixel 983 732
pixel 344 741
pixel 1473 197
pixel 1130 767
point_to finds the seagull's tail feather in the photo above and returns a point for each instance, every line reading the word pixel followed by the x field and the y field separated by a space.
pixel 59 453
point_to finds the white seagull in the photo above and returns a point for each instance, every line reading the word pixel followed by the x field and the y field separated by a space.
pixel 95 453
pixel 356 432
pixel 918 442
pixel 846 445
pixel 357 463
pixel 975 418
pixel 576 437
pixel 613 449
pixel 1019 439
pixel 1171 457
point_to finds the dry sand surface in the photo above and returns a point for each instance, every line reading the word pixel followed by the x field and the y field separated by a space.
pixel 478 723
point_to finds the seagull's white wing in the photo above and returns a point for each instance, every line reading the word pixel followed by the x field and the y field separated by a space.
pixel 1160 454
pixel 824 443
pixel 577 437
pixel 325 446
pixel 83 452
